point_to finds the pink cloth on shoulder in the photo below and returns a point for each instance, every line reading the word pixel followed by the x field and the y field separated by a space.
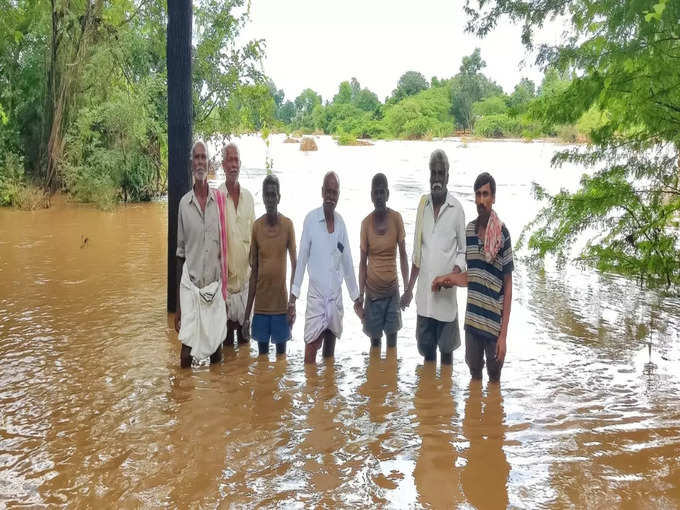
pixel 222 206
pixel 493 238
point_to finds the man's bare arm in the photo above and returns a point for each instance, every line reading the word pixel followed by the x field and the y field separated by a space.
pixel 363 268
pixel 252 289
pixel 408 293
pixel 293 267
pixel 403 262
pixel 452 279
pixel 501 345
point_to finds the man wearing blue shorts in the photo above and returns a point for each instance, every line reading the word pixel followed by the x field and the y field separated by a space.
pixel 273 235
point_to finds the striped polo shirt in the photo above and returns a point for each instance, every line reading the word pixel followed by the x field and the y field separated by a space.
pixel 485 284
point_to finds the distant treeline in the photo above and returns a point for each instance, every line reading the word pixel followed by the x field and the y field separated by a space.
pixel 469 102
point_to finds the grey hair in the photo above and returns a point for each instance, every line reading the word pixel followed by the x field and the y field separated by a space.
pixel 205 146
pixel 328 174
pixel 438 157
pixel 233 146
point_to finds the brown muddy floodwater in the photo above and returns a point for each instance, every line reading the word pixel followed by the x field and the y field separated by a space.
pixel 94 411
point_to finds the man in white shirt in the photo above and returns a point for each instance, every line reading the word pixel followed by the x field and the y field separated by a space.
pixel 325 252
pixel 240 215
pixel 439 245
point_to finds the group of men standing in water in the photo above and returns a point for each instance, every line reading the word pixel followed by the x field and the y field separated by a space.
pixel 232 267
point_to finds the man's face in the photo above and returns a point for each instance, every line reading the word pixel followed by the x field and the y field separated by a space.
pixel 484 200
pixel 199 163
pixel 330 192
pixel 379 196
pixel 271 197
pixel 231 165
pixel 439 178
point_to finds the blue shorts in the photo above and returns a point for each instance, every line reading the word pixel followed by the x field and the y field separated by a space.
pixel 274 327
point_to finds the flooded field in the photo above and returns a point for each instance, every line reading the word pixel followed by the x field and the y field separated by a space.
pixel 94 410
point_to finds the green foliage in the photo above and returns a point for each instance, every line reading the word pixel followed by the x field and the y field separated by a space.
pixel 495 105
pixel 626 94
pixel 344 138
pixel 425 114
pixel 15 191
pixel 410 83
pixel 305 104
pixel 521 97
pixel 344 95
pixel 468 87
pixel 497 126
pixel 83 90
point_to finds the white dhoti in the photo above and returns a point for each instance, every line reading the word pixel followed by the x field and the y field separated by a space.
pixel 204 318
pixel 323 312
pixel 236 305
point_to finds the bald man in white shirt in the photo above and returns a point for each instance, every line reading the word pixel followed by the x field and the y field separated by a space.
pixel 326 254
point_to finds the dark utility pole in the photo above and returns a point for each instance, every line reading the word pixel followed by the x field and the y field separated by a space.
pixel 179 125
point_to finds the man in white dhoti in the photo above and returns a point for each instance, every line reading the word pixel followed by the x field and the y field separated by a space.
pixel 325 252
pixel 201 318
pixel 240 215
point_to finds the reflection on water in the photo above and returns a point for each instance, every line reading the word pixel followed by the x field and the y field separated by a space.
pixel 436 474
pixel 94 410
pixel 485 474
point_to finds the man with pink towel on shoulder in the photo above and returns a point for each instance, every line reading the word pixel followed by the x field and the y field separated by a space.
pixel 489 281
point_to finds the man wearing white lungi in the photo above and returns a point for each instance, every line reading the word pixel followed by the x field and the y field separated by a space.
pixel 325 252
pixel 240 215
pixel 201 318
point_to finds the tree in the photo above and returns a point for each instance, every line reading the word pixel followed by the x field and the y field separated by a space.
pixel 286 113
pixel 495 105
pixel 626 58
pixel 221 63
pixel 521 96
pixel 410 83
pixel 304 106
pixel 344 95
pixel 468 87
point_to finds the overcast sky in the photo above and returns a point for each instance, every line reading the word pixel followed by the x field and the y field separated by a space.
pixel 319 43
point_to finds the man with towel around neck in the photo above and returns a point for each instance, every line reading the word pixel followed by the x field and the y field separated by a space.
pixel 489 282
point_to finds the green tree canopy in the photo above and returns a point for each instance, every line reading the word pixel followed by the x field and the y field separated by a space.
pixel 625 55
pixel 410 83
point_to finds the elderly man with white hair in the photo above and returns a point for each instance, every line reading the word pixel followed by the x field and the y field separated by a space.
pixel 240 215
pixel 201 315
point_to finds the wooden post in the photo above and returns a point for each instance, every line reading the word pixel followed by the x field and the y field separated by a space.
pixel 178 56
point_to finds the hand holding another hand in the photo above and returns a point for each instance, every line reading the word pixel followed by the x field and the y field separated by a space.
pixel 405 300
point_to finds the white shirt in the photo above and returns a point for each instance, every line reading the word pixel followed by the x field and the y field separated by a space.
pixel 442 246
pixel 328 257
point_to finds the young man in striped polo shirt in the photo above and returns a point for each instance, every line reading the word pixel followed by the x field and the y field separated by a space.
pixel 489 282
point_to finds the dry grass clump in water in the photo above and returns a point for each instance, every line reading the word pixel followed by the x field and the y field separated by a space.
pixel 308 144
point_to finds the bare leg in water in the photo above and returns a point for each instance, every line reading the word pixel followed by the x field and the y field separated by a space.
pixel 327 339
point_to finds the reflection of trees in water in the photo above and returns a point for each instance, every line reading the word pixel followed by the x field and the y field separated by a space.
pixel 436 475
pixel 594 309
pixel 485 476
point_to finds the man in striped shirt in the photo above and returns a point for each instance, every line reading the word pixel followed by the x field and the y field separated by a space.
pixel 489 281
